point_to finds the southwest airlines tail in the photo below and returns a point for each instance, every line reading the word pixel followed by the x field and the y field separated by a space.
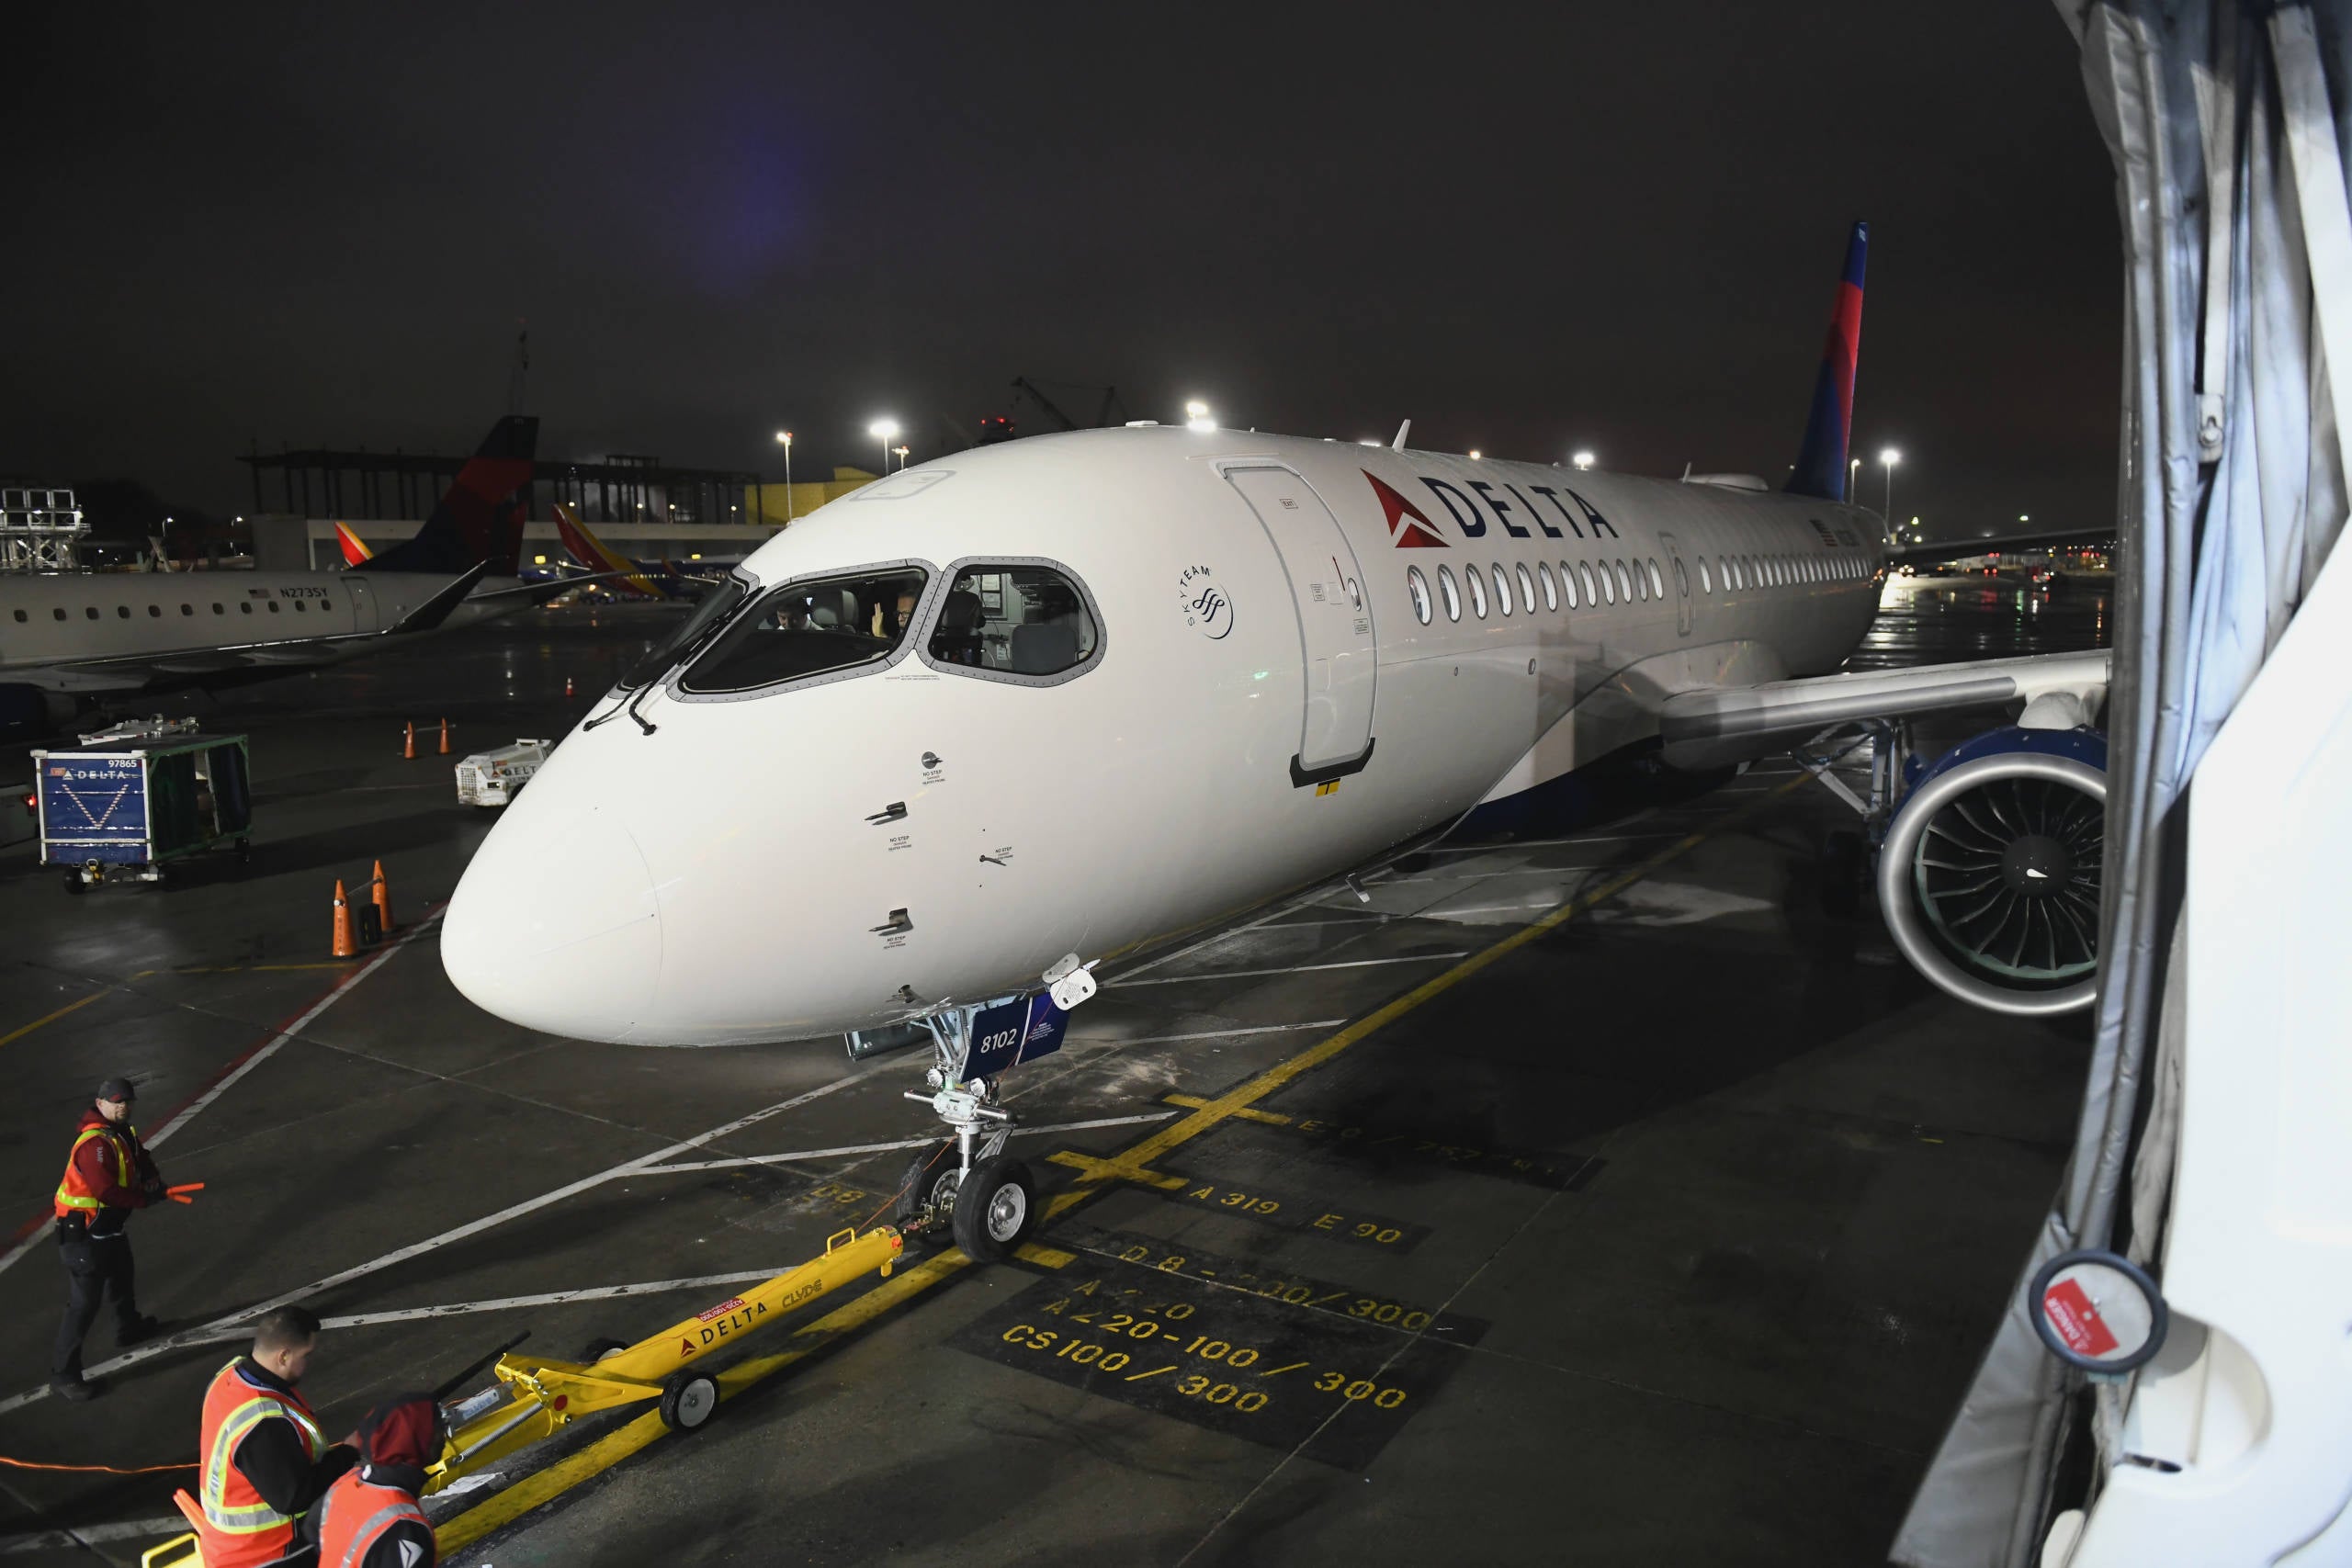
pixel 480 519
pixel 590 553
pixel 1821 462
pixel 355 549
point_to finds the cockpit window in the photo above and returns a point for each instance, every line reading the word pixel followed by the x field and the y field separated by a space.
pixel 1014 620
pixel 709 615
pixel 812 627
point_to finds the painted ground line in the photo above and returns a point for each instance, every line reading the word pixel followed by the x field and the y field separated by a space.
pixel 1289 969
pixel 847 1149
pixel 1208 1034
pixel 1505 846
pixel 545 1485
pixel 30 1236
pixel 91 1535
pixel 22 1030
pixel 459 1232
pixel 1282 906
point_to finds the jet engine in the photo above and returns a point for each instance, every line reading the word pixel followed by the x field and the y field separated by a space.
pixel 1989 874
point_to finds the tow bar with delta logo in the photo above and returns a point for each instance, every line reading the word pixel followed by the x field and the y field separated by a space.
pixel 535 1398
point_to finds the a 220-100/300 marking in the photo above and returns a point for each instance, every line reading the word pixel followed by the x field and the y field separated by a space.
pixel 1236 1358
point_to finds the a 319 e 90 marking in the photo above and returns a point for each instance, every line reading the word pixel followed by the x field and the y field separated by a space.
pixel 1340 1222
pixel 1247 1365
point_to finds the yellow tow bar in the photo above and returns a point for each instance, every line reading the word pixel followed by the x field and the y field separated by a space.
pixel 543 1396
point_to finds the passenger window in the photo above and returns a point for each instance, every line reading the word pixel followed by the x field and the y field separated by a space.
pixel 1419 587
pixel 217 610
pixel 1681 579
pixel 123 611
pixel 272 606
pixel 1706 581
pixel 156 610
pixel 1527 589
pixel 1625 584
pixel 1452 598
pixel 1551 590
pixel 21 615
pixel 1502 589
pixel 1568 584
pixel 244 606
pixel 1021 620
pixel 1478 591
pixel 188 609
pixel 59 612
pixel 1657 583
pixel 1589 596
pixel 809 628
pixel 91 611
pixel 301 606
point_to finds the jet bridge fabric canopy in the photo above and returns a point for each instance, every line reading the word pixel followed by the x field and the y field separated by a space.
pixel 2231 127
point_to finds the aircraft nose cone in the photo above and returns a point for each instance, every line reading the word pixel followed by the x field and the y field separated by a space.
pixel 555 925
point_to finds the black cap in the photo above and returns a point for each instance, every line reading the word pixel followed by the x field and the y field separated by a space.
pixel 116 1089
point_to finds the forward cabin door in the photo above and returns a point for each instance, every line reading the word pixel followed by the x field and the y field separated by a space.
pixel 1680 587
pixel 363 602
pixel 1334 621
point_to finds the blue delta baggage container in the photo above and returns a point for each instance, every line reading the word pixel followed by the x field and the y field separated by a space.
pixel 123 809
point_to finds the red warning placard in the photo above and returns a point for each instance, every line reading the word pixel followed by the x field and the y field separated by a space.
pixel 2079 1324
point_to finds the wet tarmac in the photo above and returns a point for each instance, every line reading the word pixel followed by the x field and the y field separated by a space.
pixel 1595 1199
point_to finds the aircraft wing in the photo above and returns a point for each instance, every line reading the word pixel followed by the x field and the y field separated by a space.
pixel 1958 549
pixel 1737 724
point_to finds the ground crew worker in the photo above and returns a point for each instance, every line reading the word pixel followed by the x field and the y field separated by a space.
pixel 265 1461
pixel 370 1519
pixel 106 1175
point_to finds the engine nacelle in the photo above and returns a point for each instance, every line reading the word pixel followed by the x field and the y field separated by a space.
pixel 1989 877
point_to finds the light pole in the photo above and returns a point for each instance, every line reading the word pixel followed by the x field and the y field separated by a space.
pixel 1889 456
pixel 784 439
pixel 885 430
pixel 1853 481
pixel 902 450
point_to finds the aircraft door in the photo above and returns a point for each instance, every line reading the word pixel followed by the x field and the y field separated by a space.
pixel 1334 621
pixel 1682 589
pixel 363 602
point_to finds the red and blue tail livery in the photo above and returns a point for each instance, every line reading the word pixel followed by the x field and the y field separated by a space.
pixel 1821 462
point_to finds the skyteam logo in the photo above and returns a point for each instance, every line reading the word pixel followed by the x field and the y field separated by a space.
pixel 1409 527
pixel 1206 608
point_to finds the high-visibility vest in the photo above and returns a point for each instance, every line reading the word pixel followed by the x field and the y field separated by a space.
pixel 354 1515
pixel 74 1193
pixel 241 1529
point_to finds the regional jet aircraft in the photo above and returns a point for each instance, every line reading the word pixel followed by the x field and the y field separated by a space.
pixel 1108 687
pixel 71 641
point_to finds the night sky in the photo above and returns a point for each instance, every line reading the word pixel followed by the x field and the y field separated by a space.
pixel 1616 229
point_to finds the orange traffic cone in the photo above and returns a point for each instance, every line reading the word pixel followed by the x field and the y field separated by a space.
pixel 347 940
pixel 567 685
pixel 381 893
pixel 408 744
pixel 444 738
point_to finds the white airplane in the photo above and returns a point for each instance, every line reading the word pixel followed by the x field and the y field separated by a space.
pixel 1073 696
pixel 70 639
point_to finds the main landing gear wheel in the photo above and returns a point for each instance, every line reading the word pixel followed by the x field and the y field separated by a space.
pixel 927 1191
pixel 688 1399
pixel 995 1208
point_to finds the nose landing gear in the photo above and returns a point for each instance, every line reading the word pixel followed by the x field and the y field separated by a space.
pixel 967 1184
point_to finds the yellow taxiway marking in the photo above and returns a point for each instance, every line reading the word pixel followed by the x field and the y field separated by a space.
pixel 1195 1102
pixel 248 968
pixel 1131 1164
pixel 23 1030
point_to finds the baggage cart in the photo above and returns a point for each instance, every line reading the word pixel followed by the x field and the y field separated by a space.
pixel 123 809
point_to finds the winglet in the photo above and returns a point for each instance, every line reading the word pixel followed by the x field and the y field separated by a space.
pixel 1402 431
pixel 435 610
pixel 1821 461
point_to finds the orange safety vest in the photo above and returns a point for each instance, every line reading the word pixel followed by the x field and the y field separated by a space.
pixel 241 1529
pixel 354 1515
pixel 74 1193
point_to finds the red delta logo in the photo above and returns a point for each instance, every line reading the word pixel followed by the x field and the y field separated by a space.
pixel 1409 527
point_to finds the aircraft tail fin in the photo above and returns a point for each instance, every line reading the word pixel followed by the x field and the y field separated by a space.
pixel 1821 462
pixel 480 519
pixel 355 549
pixel 595 557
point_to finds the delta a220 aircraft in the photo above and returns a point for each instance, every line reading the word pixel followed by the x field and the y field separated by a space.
pixel 71 641
pixel 1112 686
